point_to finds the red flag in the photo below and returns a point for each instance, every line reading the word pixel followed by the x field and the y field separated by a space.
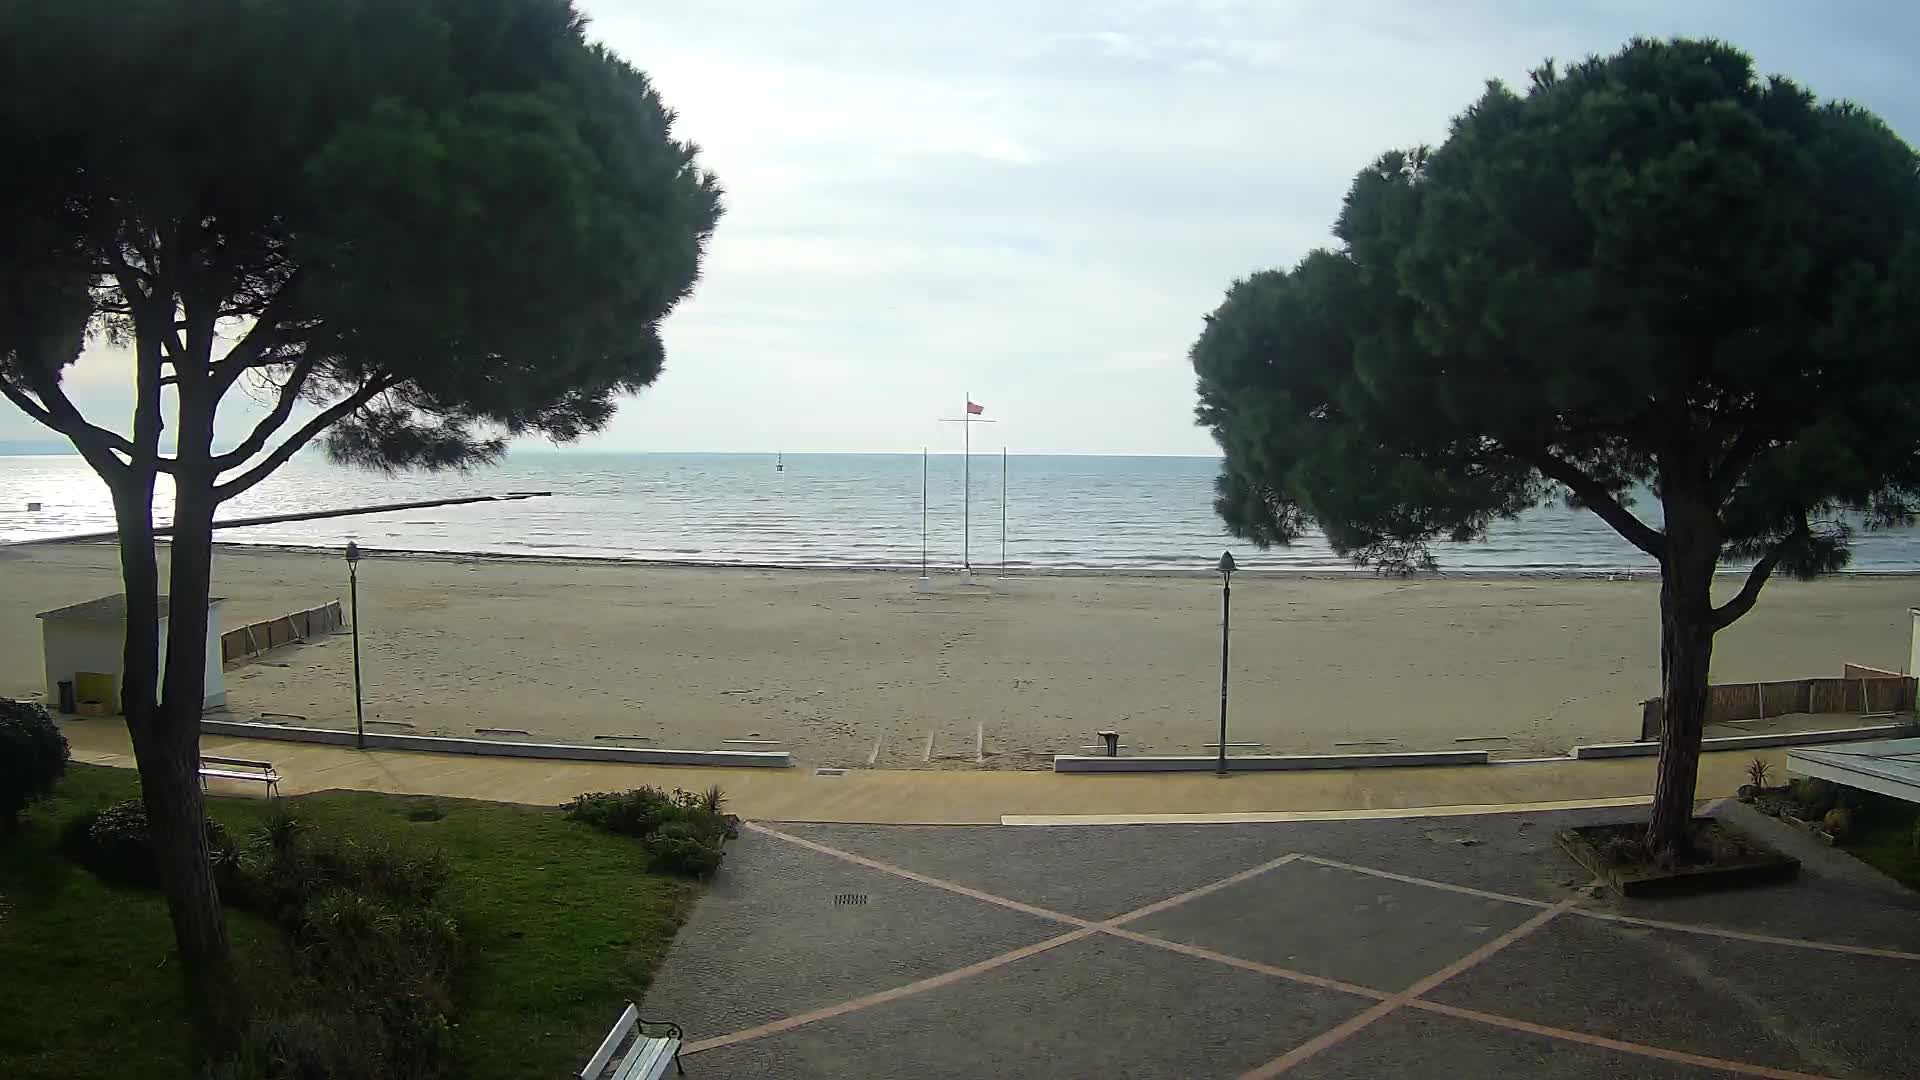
pixel 975 410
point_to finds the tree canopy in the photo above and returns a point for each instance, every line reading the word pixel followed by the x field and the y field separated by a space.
pixel 1649 270
pixel 438 221
pixel 1654 271
pixel 416 227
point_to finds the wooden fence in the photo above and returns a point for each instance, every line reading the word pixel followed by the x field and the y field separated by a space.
pixel 255 639
pixel 1882 692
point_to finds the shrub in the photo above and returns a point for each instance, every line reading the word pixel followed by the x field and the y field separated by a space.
pixel 631 813
pixel 1838 822
pixel 117 844
pixel 1815 796
pixel 33 755
pixel 387 1039
pixel 1758 773
pixel 682 832
pixel 285 867
pixel 684 847
pixel 371 959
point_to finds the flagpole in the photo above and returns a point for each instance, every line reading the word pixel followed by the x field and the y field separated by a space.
pixel 925 584
pixel 1003 511
pixel 966 484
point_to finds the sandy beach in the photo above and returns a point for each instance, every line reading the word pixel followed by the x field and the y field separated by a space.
pixel 848 668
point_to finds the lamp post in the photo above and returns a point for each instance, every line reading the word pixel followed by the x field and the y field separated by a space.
pixel 1226 617
pixel 353 595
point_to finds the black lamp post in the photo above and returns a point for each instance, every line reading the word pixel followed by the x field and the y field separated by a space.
pixel 1226 617
pixel 353 594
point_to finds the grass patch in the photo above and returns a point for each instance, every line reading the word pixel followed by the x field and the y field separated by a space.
pixel 563 924
pixel 1884 836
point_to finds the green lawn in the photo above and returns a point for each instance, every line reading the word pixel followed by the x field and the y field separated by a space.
pixel 563 925
pixel 1883 836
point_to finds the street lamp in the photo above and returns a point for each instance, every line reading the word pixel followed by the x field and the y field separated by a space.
pixel 1226 616
pixel 353 593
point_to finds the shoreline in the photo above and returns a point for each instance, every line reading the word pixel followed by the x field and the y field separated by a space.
pixel 856 669
pixel 936 572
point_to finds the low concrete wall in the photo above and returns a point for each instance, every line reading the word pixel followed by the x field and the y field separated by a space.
pixel 631 755
pixel 1746 742
pixel 1071 763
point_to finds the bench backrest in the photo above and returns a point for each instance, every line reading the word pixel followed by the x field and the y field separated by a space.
pixel 263 766
pixel 611 1045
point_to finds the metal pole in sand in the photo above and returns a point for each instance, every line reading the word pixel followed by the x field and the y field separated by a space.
pixel 353 594
pixel 966 496
pixel 925 584
pixel 1003 511
pixel 1226 622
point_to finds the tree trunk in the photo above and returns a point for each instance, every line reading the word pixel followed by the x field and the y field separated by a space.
pixel 175 808
pixel 1686 657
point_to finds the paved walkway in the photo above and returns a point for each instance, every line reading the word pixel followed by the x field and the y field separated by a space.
pixel 1468 947
pixel 949 796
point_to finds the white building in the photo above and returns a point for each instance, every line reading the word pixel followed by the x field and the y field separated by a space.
pixel 91 637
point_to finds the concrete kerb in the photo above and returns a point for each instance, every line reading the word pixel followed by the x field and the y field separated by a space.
pixel 1745 742
pixel 485 747
pixel 1073 763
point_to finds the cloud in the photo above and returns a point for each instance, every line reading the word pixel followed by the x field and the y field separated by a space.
pixel 1036 202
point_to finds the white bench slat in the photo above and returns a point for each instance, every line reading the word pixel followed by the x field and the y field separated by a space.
pixel 226 774
pixel 649 1059
pixel 610 1044
pixel 267 765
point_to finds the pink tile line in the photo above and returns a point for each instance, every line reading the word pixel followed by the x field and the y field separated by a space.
pixel 1085 929
pixel 1112 927
pixel 1741 1067
pixel 900 871
pixel 1608 916
pixel 789 1023
pixel 1354 1025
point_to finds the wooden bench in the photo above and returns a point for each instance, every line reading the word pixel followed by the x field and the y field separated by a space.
pixel 220 768
pixel 645 1058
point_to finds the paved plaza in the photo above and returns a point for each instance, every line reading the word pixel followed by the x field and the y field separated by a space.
pixel 1455 947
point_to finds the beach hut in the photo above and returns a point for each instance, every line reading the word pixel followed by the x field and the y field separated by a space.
pixel 84 643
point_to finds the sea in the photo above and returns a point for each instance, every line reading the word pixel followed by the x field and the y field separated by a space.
pixel 821 510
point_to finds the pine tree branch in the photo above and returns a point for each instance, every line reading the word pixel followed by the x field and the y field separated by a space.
pixel 326 419
pixel 1730 612
pixel 262 336
pixel 1746 446
pixel 54 410
pixel 256 440
pixel 1598 499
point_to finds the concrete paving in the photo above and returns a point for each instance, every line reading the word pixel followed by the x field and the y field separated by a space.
pixel 1464 948
pixel 940 796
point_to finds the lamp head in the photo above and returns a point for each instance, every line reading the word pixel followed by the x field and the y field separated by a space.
pixel 353 552
pixel 1226 564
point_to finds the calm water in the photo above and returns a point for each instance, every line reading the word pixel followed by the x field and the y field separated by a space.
pixel 823 510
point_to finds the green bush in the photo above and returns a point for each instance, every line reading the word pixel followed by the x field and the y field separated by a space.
pixel 684 847
pixel 683 832
pixel 33 755
pixel 371 957
pixel 1815 796
pixel 285 867
pixel 401 1040
pixel 117 844
pixel 631 813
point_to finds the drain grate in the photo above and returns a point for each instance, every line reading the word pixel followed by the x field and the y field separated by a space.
pixel 850 899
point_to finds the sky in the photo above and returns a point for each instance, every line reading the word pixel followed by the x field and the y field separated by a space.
pixel 1035 202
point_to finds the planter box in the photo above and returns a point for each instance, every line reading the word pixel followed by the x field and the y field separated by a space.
pixel 1757 865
